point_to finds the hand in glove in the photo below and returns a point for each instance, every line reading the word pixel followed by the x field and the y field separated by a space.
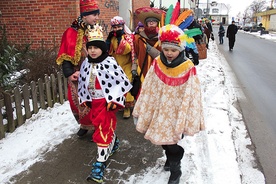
pixel 110 35
pixel 148 47
pixel 111 106
pixel 134 73
pixel 119 33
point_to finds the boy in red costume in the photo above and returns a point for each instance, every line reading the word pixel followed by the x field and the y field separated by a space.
pixel 71 54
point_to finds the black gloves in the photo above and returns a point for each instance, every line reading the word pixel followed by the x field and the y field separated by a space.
pixel 110 35
pixel 119 33
pixel 134 73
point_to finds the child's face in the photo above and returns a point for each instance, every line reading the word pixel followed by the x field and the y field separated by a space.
pixel 170 53
pixel 117 27
pixel 94 52
pixel 91 19
pixel 141 29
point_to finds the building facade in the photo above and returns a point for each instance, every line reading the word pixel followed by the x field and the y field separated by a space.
pixel 217 12
pixel 42 22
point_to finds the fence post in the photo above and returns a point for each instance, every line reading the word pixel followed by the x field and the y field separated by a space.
pixel 34 97
pixel 65 82
pixel 54 87
pixel 60 91
pixel 41 94
pixel 18 106
pixel 9 111
pixel 2 128
pixel 26 97
pixel 48 91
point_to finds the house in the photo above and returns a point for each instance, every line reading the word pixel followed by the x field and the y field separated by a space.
pixel 268 19
pixel 217 12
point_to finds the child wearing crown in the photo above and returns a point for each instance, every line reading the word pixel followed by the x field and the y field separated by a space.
pixel 169 105
pixel 102 86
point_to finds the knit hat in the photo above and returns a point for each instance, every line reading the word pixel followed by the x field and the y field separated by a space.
pixel 117 21
pixel 171 36
pixel 88 7
pixel 138 26
pixel 95 37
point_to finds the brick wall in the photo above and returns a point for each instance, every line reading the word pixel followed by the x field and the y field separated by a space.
pixel 44 21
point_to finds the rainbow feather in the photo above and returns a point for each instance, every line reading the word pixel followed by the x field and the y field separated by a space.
pixel 186 22
pixel 182 17
pixel 162 19
pixel 175 12
pixel 169 15
pixel 193 32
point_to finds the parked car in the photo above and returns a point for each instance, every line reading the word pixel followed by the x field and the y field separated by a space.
pixel 247 27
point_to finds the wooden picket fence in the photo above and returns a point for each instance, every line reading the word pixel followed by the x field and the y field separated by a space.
pixel 23 102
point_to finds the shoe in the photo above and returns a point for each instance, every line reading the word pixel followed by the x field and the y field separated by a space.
pixel 126 114
pixel 115 147
pixel 97 172
pixel 82 132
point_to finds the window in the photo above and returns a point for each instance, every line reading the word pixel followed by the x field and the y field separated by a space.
pixel 215 10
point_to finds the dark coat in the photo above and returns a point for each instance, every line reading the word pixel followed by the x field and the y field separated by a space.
pixel 231 31
pixel 221 31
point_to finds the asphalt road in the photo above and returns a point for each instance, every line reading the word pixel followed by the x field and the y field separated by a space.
pixel 253 64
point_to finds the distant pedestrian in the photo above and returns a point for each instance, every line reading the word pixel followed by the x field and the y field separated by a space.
pixel 221 33
pixel 209 25
pixel 232 30
pixel 102 88
pixel 208 33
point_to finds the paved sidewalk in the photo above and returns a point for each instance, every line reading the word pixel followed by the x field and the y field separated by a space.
pixel 71 161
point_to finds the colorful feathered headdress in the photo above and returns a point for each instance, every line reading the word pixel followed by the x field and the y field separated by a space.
pixel 173 24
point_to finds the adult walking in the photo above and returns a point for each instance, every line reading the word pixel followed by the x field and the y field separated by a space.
pixel 146 43
pixel 71 54
pixel 221 33
pixel 232 30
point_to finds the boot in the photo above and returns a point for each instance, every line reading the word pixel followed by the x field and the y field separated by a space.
pixel 115 146
pixel 175 173
pixel 97 172
pixel 174 155
pixel 126 114
pixel 82 132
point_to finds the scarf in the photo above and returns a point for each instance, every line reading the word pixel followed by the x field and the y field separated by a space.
pixel 174 63
pixel 98 59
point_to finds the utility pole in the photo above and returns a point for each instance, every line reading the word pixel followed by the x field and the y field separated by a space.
pixel 207 11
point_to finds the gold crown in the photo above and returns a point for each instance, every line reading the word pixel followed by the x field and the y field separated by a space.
pixel 95 33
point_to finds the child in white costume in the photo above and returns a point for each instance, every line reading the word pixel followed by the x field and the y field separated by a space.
pixel 102 87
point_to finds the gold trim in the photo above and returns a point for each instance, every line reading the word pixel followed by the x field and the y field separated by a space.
pixel 175 72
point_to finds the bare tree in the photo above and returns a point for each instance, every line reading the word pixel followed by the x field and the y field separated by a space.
pixel 257 6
